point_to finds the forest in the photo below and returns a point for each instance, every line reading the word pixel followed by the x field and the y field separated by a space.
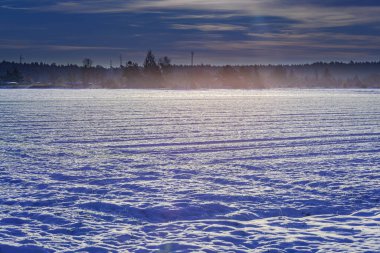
pixel 162 74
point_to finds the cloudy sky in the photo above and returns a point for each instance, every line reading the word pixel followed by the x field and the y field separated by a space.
pixel 219 31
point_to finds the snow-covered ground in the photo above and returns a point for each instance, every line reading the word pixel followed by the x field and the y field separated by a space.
pixel 183 171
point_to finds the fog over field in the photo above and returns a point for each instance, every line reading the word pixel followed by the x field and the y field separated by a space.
pixel 190 171
pixel 162 73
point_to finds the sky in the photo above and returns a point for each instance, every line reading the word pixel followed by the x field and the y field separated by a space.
pixel 218 31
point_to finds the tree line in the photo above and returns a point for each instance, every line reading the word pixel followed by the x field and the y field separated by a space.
pixel 162 73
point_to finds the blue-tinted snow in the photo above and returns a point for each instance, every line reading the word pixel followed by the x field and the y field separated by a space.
pixel 182 171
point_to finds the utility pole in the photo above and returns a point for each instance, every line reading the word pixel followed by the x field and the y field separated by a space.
pixel 121 61
pixel 111 64
pixel 192 58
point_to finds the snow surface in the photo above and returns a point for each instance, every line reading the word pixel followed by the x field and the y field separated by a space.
pixel 182 171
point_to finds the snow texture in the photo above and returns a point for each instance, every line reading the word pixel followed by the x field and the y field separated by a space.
pixel 189 171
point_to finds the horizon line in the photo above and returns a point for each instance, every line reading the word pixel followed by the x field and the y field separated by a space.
pixel 117 66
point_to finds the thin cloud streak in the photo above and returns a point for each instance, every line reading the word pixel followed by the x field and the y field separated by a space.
pixel 21 45
pixel 209 27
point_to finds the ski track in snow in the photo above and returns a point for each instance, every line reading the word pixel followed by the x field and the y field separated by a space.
pixel 183 171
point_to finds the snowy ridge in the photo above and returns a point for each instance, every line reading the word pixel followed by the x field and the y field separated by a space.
pixel 181 171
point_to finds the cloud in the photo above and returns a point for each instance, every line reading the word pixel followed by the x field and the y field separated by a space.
pixel 334 3
pixel 209 27
pixel 14 8
pixel 275 28
pixel 310 13
pixel 81 48
pixel 204 16
pixel 7 44
pixel 268 51
pixel 290 46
